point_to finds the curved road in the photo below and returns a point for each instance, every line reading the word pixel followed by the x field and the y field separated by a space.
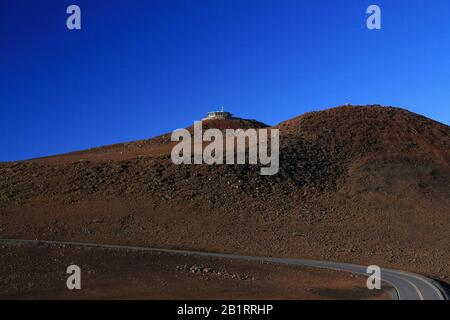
pixel 408 286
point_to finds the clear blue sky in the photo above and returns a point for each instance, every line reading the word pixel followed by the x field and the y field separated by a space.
pixel 141 68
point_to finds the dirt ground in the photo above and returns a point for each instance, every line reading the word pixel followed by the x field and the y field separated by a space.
pixel 39 272
pixel 364 185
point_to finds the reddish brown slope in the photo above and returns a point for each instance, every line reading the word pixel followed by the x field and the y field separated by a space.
pixel 155 147
pixel 356 184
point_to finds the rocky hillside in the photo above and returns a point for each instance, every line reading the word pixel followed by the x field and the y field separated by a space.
pixel 363 184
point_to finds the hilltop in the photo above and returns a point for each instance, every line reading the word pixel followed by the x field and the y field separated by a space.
pixel 362 184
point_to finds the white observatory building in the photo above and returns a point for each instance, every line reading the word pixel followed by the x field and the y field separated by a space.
pixel 218 115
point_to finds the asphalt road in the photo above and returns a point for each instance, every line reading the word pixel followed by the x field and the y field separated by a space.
pixel 408 286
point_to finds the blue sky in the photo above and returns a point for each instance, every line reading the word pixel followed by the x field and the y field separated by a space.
pixel 137 69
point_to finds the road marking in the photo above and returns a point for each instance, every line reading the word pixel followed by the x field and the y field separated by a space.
pixel 415 287
pixel 427 282
pixel 400 275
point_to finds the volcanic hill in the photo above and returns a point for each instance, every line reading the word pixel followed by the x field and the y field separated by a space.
pixel 361 184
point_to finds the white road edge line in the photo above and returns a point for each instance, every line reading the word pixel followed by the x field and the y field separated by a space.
pixel 393 273
pixel 429 283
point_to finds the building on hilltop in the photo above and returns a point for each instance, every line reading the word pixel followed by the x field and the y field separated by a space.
pixel 218 115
